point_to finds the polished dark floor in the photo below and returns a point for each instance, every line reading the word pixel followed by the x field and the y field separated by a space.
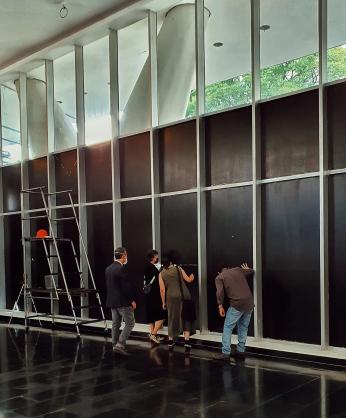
pixel 52 375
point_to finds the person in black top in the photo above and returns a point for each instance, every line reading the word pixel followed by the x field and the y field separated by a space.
pixel 155 314
pixel 120 298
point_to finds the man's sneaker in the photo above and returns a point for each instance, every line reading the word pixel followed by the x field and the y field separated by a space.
pixel 154 339
pixel 119 349
pixel 160 338
pixel 221 357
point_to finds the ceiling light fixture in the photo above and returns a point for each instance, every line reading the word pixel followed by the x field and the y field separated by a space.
pixel 218 44
pixel 264 28
pixel 64 10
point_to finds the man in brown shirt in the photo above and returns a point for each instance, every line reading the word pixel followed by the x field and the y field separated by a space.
pixel 232 283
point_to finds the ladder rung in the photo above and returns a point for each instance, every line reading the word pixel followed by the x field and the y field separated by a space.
pixel 64 219
pixel 76 307
pixel 48 239
pixel 34 217
pixel 33 190
pixel 60 192
pixel 68 273
pixel 91 321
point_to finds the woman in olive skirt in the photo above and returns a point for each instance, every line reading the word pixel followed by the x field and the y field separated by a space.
pixel 155 314
pixel 173 289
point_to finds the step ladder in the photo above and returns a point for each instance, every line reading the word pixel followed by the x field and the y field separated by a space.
pixel 51 291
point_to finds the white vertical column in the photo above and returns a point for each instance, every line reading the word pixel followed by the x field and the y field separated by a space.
pixel 2 238
pixel 50 157
pixel 256 165
pixel 323 166
pixel 114 106
pixel 80 113
pixel 154 153
pixel 200 142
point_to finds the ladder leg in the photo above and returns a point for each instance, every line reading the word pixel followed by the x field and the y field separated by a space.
pixel 34 305
pixel 16 303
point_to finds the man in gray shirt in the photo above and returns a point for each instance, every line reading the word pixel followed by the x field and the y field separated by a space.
pixel 232 283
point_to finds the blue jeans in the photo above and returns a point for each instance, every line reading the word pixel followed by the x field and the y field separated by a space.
pixel 233 318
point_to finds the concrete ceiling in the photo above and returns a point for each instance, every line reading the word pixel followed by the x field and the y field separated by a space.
pixel 27 26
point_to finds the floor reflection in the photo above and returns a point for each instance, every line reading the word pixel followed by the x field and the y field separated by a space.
pixel 55 375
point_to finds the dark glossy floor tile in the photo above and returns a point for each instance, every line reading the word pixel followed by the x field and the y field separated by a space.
pixel 45 374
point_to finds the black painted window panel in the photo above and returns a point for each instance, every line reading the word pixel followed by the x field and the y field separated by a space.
pixel 291 290
pixel 100 247
pixel 66 176
pixel 337 242
pixel 228 139
pixel 179 233
pixel 177 154
pixel 290 135
pixel 37 173
pixel 137 238
pixel 229 239
pixel 135 177
pixel 13 258
pixel 336 125
pixel 11 186
pixel 98 172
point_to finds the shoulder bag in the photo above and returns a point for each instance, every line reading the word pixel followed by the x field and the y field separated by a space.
pixel 188 312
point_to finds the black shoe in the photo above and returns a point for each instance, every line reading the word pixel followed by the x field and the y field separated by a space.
pixel 187 346
pixel 171 344
pixel 222 357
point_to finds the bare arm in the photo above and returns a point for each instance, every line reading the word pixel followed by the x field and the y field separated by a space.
pixel 188 279
pixel 162 290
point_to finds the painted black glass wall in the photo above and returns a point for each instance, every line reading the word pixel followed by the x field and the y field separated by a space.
pixel 290 135
pixel 291 282
pixel 66 176
pixel 13 258
pixel 229 239
pixel 136 237
pixel 337 259
pixel 228 139
pixel 100 246
pixel 11 186
pixel 135 174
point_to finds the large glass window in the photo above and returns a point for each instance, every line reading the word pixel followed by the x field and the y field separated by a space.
pixel 134 78
pixel 98 126
pixel 37 112
pixel 336 39
pixel 65 102
pixel 289 46
pixel 227 54
pixel 176 63
pixel 10 124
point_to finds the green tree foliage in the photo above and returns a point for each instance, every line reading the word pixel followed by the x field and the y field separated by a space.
pixel 280 79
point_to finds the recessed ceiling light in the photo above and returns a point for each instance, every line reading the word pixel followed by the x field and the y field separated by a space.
pixel 218 44
pixel 264 27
